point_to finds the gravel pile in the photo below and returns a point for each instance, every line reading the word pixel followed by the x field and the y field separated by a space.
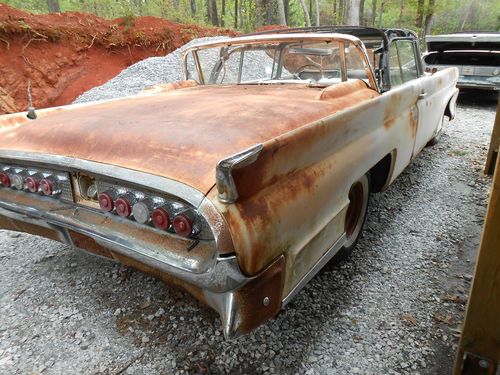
pixel 394 307
pixel 144 74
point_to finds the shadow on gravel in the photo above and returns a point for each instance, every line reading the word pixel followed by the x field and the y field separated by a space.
pixel 477 98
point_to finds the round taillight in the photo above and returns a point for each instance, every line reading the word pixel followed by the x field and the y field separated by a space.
pixel 142 211
pixel 47 186
pixel 160 218
pixel 183 225
pixel 4 179
pixel 106 202
pixel 123 207
pixel 17 181
pixel 32 184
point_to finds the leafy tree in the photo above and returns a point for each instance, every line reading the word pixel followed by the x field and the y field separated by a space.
pixel 423 16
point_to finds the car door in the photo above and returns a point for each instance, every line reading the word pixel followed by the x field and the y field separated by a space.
pixel 406 68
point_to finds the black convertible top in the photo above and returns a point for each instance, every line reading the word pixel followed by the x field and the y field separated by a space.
pixel 362 32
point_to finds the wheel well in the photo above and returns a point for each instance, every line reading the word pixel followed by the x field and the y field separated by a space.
pixel 380 173
pixel 447 111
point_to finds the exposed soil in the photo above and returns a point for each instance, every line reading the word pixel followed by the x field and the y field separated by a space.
pixel 66 54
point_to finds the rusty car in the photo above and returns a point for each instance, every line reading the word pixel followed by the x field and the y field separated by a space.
pixel 239 183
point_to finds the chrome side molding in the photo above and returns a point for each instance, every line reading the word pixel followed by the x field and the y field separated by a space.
pixel 226 187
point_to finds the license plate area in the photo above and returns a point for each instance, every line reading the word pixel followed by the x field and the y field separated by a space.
pixel 468 70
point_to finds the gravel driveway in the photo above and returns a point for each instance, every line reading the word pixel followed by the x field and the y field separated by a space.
pixel 395 307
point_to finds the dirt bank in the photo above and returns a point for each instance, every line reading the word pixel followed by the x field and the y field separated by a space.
pixel 66 54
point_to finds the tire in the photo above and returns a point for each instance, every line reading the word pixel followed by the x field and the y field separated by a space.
pixel 437 137
pixel 359 197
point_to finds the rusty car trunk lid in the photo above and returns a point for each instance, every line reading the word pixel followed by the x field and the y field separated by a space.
pixel 179 134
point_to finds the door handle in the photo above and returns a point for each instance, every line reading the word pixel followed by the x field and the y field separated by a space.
pixel 422 95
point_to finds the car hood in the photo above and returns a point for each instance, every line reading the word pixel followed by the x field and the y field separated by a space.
pixel 179 134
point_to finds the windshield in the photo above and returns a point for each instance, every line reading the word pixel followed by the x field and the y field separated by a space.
pixel 323 63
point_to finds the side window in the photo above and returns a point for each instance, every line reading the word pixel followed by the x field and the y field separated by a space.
pixel 407 60
pixel 394 68
pixel 355 63
pixel 403 62
pixel 191 71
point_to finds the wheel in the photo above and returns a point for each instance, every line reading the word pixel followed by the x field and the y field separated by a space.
pixel 435 140
pixel 359 196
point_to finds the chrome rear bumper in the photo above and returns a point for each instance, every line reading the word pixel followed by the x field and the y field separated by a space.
pixel 242 302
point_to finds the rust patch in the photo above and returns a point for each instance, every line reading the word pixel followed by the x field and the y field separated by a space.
pixel 89 244
pixel 269 284
pixel 389 123
pixel 20 226
pixel 262 214
pixel 413 121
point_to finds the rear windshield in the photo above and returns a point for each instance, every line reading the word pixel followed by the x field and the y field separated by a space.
pixel 464 58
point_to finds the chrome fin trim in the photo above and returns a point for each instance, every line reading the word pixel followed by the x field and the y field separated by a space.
pixel 226 187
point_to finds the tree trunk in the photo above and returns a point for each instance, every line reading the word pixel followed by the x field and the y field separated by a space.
pixel 401 13
pixel 428 17
pixel 306 13
pixel 353 13
pixel 53 6
pixel 260 13
pixel 287 9
pixel 466 17
pixel 340 12
pixel 381 13
pixel 281 13
pixel 235 14
pixel 374 12
pixel 362 12
pixel 209 11
pixel 316 4
pixel 269 12
pixel 214 17
pixel 193 7
pixel 335 12
pixel 420 14
pixel 223 13
pixel 240 12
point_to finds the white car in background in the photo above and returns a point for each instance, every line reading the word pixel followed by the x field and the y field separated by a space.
pixel 477 57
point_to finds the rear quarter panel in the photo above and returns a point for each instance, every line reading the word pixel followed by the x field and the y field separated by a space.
pixel 294 197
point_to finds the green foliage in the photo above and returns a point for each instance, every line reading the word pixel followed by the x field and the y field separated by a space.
pixel 449 15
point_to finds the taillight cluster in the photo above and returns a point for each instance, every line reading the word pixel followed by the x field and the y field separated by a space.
pixel 164 213
pixel 160 213
pixel 35 181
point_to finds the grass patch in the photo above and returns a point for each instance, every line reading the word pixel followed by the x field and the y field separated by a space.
pixel 459 153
